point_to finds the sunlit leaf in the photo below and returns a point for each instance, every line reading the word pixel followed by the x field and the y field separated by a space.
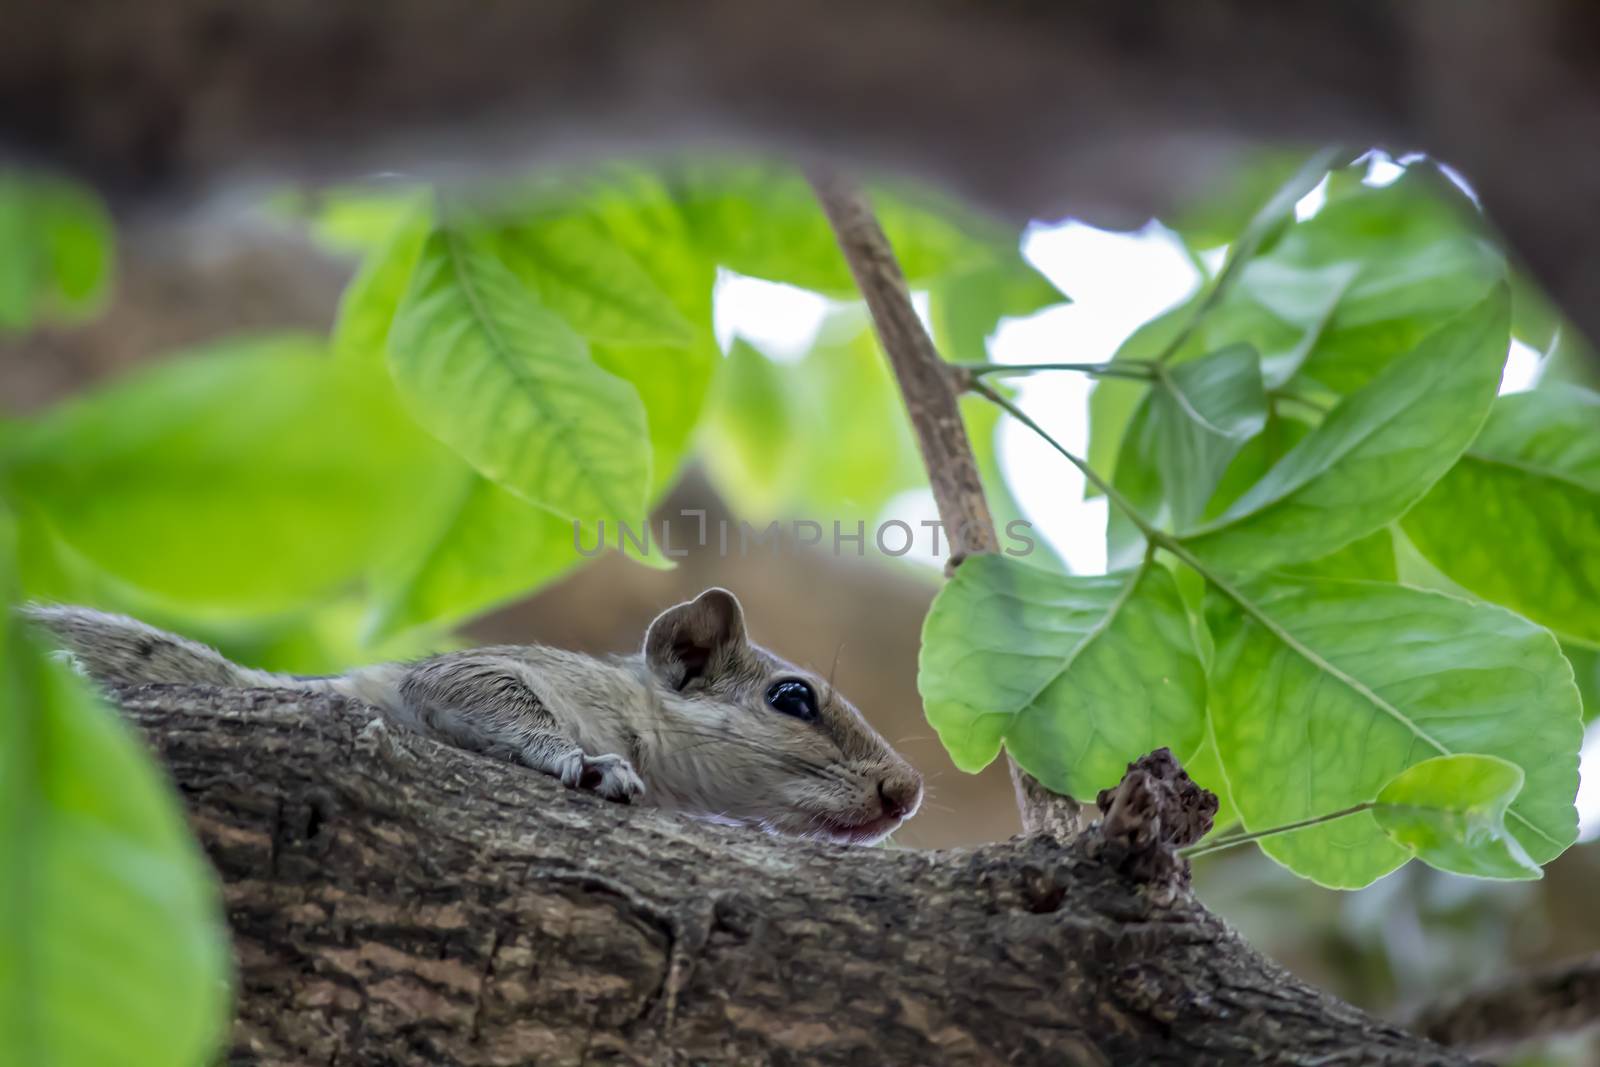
pixel 1373 455
pixel 509 386
pixel 1517 520
pixel 1370 559
pixel 1075 675
pixel 1201 414
pixel 764 221
pixel 1403 258
pixel 368 305
pixel 1450 812
pixel 1322 691
pixel 753 432
pixel 249 478
pixel 578 271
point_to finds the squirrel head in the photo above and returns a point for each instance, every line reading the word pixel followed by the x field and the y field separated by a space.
pixel 754 739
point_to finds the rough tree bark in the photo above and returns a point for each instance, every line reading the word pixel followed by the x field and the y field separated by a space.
pixel 397 902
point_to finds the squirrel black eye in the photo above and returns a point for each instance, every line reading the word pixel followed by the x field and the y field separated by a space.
pixel 793 697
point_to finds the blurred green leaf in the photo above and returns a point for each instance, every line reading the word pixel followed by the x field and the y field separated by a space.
pixel 255 477
pixel 58 251
pixel 1586 671
pixel 481 549
pixel 1077 676
pixel 360 217
pixel 763 221
pixel 1517 520
pixel 576 270
pixel 673 383
pixel 113 948
pixel 752 432
pixel 1322 691
pixel 509 386
pixel 1372 456
pixel 369 303
pixel 865 457
pixel 1224 203
pixel 1450 812
pixel 966 309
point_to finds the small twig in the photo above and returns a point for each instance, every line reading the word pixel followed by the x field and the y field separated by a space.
pixel 1249 242
pixel 1128 368
pixel 931 390
pixel 1112 494
pixel 1207 847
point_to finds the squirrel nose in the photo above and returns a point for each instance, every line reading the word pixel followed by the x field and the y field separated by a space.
pixel 900 794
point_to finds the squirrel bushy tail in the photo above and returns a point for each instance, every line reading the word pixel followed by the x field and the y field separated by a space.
pixel 118 650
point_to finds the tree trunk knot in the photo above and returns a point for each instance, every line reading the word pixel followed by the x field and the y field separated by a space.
pixel 1155 810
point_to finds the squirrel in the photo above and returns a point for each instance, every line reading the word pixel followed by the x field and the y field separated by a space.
pixel 701 721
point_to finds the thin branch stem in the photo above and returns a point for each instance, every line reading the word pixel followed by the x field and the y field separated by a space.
pixel 1248 244
pixel 931 389
pixel 1152 534
pixel 1128 368
pixel 1206 848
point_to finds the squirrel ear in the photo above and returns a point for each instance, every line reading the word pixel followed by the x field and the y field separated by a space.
pixel 688 641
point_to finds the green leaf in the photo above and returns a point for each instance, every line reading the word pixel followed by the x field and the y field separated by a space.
pixel 1517 520
pixel 1201 414
pixel 1113 401
pixel 58 251
pixel 369 303
pixel 1374 454
pixel 1077 676
pixel 673 384
pixel 852 471
pixel 764 221
pixel 483 547
pixel 113 948
pixel 1370 559
pixel 1450 812
pixel 513 390
pixel 578 271
pixel 1586 672
pixel 1322 691
pixel 753 433
pixel 1206 770
pixel 1193 421
pixel 967 309
pixel 1403 258
pixel 255 477
pixel 357 218
pixel 1225 202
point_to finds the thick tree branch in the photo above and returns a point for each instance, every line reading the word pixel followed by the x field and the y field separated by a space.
pixel 1562 999
pixel 928 387
pixel 394 901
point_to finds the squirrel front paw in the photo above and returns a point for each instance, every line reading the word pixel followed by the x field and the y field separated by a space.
pixel 611 777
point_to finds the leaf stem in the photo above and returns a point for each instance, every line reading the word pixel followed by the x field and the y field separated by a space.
pixel 1249 242
pixel 1205 848
pixel 1140 369
pixel 1112 494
